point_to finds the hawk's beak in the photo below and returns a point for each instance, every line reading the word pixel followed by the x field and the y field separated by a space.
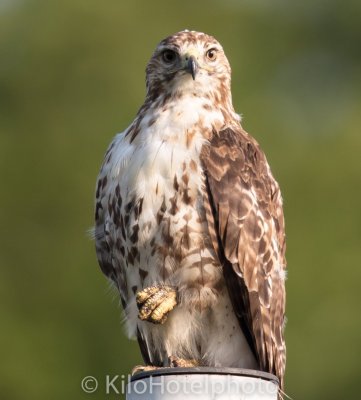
pixel 192 66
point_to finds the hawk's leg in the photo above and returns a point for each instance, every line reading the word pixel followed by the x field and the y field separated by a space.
pixel 155 302
pixel 143 368
pixel 183 363
pixel 173 363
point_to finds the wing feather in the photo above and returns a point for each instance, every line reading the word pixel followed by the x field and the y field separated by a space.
pixel 108 224
pixel 245 219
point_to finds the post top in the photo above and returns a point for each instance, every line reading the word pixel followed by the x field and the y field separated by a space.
pixel 251 373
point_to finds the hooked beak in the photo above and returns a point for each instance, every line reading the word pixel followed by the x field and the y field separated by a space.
pixel 192 66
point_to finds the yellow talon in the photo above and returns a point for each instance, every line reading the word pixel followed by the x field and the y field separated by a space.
pixel 160 313
pixel 146 293
pixel 155 302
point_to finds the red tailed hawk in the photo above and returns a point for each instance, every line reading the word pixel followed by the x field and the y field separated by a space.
pixel 189 223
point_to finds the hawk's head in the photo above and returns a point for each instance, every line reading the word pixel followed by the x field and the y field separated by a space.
pixel 188 61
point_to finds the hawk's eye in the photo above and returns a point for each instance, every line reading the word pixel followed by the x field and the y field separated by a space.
pixel 211 54
pixel 169 56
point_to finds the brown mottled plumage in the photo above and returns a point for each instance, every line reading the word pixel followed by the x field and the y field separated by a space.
pixel 246 215
pixel 189 221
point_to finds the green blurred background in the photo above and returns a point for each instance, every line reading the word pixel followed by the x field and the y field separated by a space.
pixel 72 75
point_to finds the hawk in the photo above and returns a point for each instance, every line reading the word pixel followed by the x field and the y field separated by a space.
pixel 189 223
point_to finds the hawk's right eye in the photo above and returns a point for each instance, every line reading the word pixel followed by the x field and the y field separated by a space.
pixel 169 56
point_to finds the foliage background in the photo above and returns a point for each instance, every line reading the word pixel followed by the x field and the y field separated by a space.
pixel 72 75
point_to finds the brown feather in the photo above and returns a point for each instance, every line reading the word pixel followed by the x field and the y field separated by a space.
pixel 245 220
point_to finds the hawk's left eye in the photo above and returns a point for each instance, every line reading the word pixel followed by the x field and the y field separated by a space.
pixel 211 54
pixel 169 56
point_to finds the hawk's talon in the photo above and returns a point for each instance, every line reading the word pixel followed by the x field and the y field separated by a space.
pixel 143 368
pixel 176 362
pixel 145 294
pixel 155 302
